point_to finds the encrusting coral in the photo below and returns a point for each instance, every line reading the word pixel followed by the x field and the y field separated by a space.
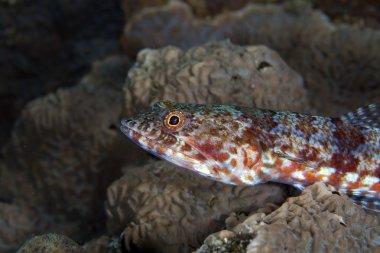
pixel 168 209
pixel 336 61
pixel 216 72
pixel 319 220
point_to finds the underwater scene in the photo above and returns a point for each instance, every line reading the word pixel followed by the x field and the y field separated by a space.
pixel 165 126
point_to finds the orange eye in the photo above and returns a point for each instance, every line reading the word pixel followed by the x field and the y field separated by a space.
pixel 174 120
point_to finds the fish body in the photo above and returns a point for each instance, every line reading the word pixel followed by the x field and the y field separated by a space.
pixel 247 146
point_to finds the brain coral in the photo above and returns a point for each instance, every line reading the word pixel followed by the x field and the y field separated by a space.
pixel 319 220
pixel 61 155
pixel 217 72
pixel 338 62
pixel 168 209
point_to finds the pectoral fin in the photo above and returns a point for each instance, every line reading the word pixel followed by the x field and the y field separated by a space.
pixel 304 158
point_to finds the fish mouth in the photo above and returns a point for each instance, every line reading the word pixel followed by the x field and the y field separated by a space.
pixel 195 162
pixel 125 128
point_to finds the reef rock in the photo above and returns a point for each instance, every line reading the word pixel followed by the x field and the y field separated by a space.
pixel 103 244
pixel 337 61
pixel 62 154
pixel 45 45
pixel 17 224
pixel 50 243
pixel 319 220
pixel 217 73
pixel 164 208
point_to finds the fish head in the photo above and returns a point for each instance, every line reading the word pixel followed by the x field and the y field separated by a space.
pixel 203 138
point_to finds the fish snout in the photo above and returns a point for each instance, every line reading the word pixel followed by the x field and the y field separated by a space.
pixel 125 122
pixel 126 125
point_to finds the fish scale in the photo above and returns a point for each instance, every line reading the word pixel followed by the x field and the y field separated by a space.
pixel 247 146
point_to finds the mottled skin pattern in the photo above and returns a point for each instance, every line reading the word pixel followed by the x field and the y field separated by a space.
pixel 247 146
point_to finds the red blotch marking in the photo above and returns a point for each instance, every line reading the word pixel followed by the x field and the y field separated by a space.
pixel 215 171
pixel 250 138
pixel 199 157
pixel 349 137
pixel 160 150
pixel 248 162
pixel 376 187
pixel 209 148
pixel 335 179
pixel 249 177
pixel 222 157
pixel 364 173
pixel 235 126
pixel 236 180
pixel 311 177
pixel 232 150
pixel 353 185
pixel 344 163
pixel 135 135
pixel 150 145
pixel 267 123
pixel 186 148
pixel 287 170
pixel 309 153
pixel 224 170
pixel 251 157
pixel 233 162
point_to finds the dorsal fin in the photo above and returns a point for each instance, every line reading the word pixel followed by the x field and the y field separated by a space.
pixel 366 116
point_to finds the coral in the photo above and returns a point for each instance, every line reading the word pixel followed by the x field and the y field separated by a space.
pixel 47 44
pixel 50 243
pixel 103 244
pixel 336 61
pixel 130 7
pixel 168 209
pixel 65 148
pixel 204 8
pixel 17 224
pixel 61 156
pixel 217 72
pixel 319 220
pixel 352 12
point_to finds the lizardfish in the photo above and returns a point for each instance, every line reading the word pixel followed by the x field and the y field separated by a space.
pixel 247 146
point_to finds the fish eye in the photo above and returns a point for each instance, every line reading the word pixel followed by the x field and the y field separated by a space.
pixel 174 120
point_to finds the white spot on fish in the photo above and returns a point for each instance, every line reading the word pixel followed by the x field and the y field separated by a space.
pixel 267 170
pixel 268 158
pixel 169 152
pixel 352 177
pixel 202 168
pixel 326 171
pixel 298 175
pixel 370 180
pixel 286 163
